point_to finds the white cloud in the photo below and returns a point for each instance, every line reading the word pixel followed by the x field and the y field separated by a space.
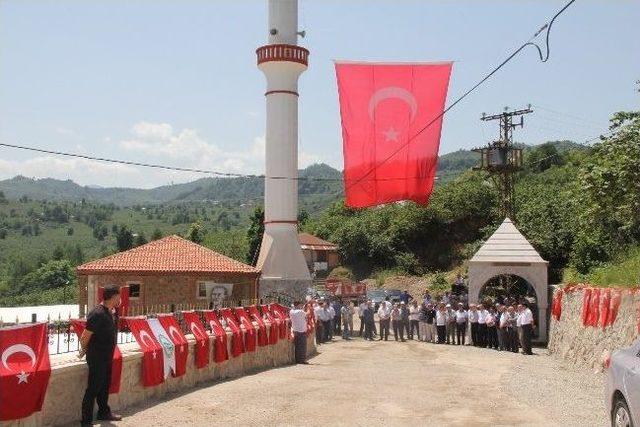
pixel 148 142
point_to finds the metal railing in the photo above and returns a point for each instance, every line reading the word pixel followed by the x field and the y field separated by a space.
pixel 62 337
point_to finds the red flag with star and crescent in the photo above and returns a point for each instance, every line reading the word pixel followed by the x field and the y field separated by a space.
pixel 391 124
pixel 152 354
pixel 24 370
pixel 171 326
pixel 201 349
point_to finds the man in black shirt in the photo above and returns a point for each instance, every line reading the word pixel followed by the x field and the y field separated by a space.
pixel 98 342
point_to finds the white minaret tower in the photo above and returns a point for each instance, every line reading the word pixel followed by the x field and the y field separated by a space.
pixel 284 269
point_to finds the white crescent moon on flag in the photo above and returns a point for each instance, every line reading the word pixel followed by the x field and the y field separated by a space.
pixel 193 325
pixel 18 348
pixel 174 333
pixel 393 92
pixel 144 335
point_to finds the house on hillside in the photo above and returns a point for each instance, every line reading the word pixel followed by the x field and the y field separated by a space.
pixel 321 256
pixel 168 271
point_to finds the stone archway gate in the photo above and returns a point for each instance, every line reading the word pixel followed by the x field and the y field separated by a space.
pixel 507 251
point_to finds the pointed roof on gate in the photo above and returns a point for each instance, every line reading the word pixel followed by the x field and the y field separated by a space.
pixel 507 245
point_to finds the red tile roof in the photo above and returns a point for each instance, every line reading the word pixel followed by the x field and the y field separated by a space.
pixel 170 254
pixel 309 241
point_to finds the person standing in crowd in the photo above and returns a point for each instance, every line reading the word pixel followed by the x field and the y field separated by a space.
pixel 395 321
pixel 492 329
pixel 461 323
pixel 431 323
pixel 384 317
pixel 423 322
pixel 473 322
pixel 404 320
pixel 346 316
pixel 98 342
pixel 451 325
pixel 367 316
pixel 405 297
pixel 326 321
pixel 519 309
pixel 352 313
pixel 332 319
pixel 427 298
pixel 500 326
pixel 511 328
pixel 299 327
pixel 526 323
pixel 441 323
pixel 361 308
pixel 414 320
pixel 319 315
pixel 337 318
pixel 482 326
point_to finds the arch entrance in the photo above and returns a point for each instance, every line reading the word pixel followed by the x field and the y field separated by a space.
pixel 508 263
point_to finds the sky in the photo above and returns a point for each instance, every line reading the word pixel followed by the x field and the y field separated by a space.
pixel 176 82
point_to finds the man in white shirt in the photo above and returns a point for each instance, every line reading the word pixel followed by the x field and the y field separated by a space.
pixel 441 323
pixel 461 324
pixel 526 322
pixel 482 326
pixel 361 308
pixel 317 312
pixel 332 319
pixel 473 321
pixel 384 314
pixel 299 327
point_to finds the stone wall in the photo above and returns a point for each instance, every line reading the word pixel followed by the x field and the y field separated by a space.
pixel 584 345
pixel 69 378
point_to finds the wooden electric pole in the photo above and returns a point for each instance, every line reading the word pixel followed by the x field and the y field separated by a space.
pixel 501 159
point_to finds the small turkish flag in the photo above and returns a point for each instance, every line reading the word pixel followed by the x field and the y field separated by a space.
pixel 250 333
pixel 24 370
pixel 262 328
pixel 237 345
pixel 391 122
pixel 221 353
pixel 171 326
pixel 152 357
pixel 116 367
pixel 194 324
pixel 274 329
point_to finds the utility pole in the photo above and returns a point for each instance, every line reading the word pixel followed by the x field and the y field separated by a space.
pixel 501 159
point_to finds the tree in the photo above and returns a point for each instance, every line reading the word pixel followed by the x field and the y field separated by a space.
pixel 3 199
pixel 140 240
pixel 196 233
pixel 70 231
pixel 254 234
pixel 157 234
pixel 58 253
pixel 51 275
pixel 3 233
pixel 124 238
pixel 543 157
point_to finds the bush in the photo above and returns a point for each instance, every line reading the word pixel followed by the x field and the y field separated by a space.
pixel 341 273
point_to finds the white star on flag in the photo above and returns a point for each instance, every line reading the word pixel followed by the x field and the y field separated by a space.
pixel 22 377
pixel 154 354
pixel 391 135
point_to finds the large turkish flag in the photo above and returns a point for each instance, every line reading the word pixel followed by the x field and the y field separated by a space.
pixel 388 153
pixel 217 330
pixel 24 370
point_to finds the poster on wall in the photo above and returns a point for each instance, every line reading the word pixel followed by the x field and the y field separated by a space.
pixel 218 292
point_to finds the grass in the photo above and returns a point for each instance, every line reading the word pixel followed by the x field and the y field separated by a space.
pixel 624 272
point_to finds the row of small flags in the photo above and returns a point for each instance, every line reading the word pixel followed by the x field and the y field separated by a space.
pixel 24 357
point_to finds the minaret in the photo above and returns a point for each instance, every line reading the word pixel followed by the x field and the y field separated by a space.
pixel 284 269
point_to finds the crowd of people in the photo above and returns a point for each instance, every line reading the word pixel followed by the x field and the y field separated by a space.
pixel 505 324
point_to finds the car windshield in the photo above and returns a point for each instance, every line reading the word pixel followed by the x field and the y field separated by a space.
pixel 394 292
pixel 375 294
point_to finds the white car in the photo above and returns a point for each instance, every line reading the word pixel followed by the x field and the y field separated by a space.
pixel 623 386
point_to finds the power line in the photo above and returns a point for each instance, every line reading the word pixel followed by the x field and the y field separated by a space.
pixel 543 58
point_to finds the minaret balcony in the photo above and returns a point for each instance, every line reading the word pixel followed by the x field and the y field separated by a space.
pixel 282 52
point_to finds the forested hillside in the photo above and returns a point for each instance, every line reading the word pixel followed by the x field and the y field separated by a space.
pixel 579 206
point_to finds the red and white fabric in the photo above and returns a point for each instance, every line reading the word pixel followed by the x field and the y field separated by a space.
pixel 250 332
pixel 153 372
pixel 24 370
pixel 274 324
pixel 237 342
pixel 263 339
pixel 194 324
pixel 180 343
pixel 221 351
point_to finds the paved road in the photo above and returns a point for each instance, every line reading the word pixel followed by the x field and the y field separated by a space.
pixel 359 383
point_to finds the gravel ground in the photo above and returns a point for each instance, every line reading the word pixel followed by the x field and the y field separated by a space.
pixel 391 383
